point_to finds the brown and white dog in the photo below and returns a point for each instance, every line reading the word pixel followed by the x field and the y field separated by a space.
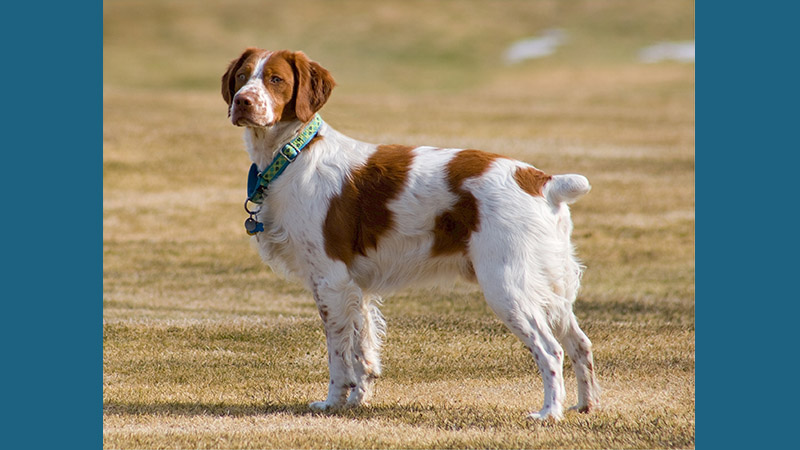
pixel 354 221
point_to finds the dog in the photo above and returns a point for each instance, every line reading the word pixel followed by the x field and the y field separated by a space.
pixel 354 221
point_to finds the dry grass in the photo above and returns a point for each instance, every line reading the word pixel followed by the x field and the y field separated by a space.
pixel 205 348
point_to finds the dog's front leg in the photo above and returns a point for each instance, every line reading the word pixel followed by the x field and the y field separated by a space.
pixel 368 335
pixel 338 304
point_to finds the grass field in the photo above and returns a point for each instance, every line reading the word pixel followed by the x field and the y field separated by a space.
pixel 204 347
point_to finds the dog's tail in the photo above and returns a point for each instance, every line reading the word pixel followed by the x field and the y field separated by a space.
pixel 566 188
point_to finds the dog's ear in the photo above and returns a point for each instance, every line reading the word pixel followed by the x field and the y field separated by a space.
pixel 313 86
pixel 229 79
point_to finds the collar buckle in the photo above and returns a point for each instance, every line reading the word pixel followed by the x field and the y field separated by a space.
pixel 289 152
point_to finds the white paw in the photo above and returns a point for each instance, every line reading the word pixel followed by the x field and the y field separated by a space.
pixel 546 414
pixel 320 406
pixel 358 398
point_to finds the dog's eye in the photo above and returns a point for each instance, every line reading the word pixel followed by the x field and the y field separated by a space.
pixel 241 77
pixel 275 79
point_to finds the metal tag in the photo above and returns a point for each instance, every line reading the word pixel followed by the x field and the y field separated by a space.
pixel 250 225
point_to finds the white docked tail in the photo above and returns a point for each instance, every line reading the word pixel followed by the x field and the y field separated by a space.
pixel 566 188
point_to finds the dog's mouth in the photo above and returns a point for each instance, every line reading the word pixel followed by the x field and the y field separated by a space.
pixel 243 121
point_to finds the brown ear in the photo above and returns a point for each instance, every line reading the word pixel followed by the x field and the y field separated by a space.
pixel 228 80
pixel 314 86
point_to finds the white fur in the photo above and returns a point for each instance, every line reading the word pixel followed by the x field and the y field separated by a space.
pixel 521 254
pixel 566 188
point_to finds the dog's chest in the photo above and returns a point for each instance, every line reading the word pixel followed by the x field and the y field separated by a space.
pixel 291 236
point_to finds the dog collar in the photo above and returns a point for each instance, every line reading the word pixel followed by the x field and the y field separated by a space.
pixel 258 182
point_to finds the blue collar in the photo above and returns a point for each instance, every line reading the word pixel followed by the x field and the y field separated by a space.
pixel 258 182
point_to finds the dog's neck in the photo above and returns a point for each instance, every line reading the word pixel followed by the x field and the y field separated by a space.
pixel 263 143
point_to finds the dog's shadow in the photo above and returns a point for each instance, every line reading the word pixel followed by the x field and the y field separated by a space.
pixel 412 412
pixel 204 409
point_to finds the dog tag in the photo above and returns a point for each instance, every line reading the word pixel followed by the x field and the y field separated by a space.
pixel 250 225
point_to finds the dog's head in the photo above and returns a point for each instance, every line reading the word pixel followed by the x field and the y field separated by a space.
pixel 263 88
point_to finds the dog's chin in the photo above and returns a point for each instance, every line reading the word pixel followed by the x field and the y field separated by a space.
pixel 250 123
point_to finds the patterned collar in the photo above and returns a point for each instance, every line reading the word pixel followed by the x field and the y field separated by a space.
pixel 258 182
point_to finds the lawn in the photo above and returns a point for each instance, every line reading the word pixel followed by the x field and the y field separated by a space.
pixel 205 347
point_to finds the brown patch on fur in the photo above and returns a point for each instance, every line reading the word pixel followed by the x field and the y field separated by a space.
pixel 279 78
pixel 469 272
pixel 245 63
pixel 531 180
pixel 359 215
pixel 453 227
pixel 312 87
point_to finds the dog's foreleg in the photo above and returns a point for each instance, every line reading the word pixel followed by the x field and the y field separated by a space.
pixel 339 306
pixel 368 335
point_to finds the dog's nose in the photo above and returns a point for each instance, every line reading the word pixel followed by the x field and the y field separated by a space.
pixel 243 100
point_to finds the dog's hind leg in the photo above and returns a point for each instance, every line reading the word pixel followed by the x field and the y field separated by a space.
pixel 514 279
pixel 532 329
pixel 566 284
pixel 528 322
pixel 579 349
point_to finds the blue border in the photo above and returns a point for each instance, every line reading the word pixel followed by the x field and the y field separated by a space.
pixel 746 239
pixel 747 114
pixel 53 231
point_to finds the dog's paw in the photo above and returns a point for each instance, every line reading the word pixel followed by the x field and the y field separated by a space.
pixel 355 402
pixel 358 397
pixel 546 414
pixel 581 408
pixel 321 406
